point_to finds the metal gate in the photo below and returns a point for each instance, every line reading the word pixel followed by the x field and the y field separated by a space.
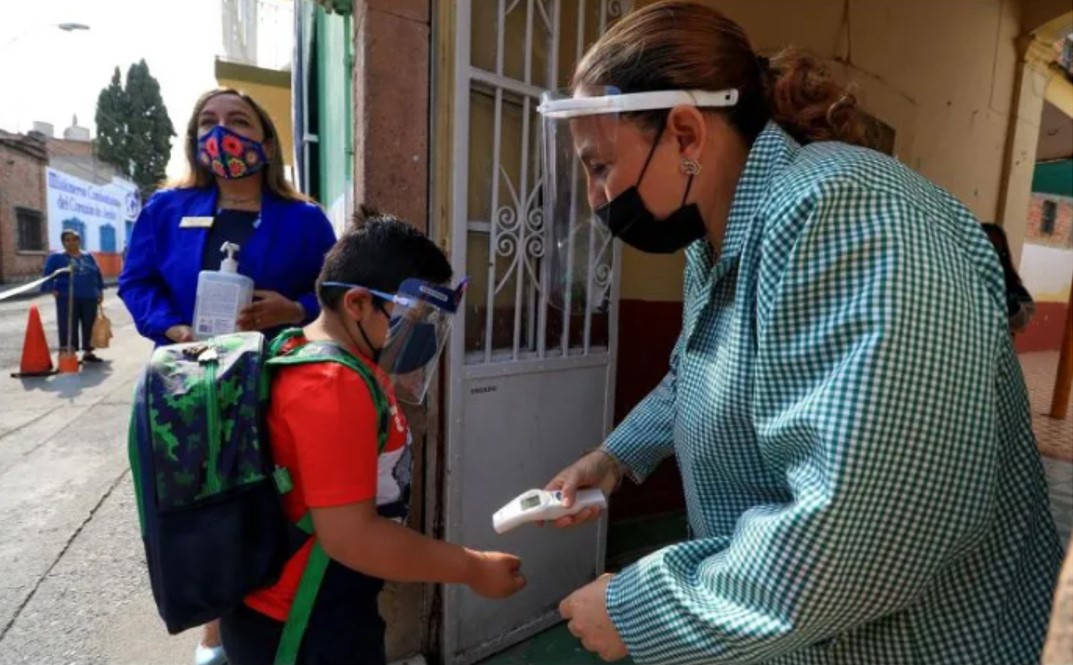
pixel 530 388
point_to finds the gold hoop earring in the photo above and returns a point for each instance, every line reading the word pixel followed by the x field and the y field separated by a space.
pixel 690 167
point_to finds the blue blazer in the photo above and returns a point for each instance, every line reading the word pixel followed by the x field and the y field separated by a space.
pixel 159 279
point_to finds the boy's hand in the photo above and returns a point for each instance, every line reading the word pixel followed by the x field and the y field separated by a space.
pixel 495 575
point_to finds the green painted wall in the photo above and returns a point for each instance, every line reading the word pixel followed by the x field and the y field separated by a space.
pixel 1054 178
pixel 334 58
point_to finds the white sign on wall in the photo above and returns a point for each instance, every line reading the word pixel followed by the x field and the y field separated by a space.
pixel 102 214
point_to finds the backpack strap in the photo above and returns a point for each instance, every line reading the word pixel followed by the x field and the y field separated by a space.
pixel 317 565
pixel 324 352
pixel 290 640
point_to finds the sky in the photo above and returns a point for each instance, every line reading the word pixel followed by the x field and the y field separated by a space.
pixel 50 75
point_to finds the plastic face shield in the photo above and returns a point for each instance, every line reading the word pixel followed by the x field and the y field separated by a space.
pixel 579 149
pixel 420 321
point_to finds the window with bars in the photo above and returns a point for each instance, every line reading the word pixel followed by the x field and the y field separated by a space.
pixel 1048 217
pixel 108 238
pixel 30 230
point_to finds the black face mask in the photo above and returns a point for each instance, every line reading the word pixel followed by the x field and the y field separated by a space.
pixel 630 220
pixel 373 350
pixel 421 347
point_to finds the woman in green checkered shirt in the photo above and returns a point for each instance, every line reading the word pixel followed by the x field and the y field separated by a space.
pixel 844 401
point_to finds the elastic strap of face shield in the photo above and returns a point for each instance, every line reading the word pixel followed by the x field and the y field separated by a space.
pixel 652 151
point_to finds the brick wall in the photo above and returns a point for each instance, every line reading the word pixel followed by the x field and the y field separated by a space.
pixel 1062 236
pixel 22 185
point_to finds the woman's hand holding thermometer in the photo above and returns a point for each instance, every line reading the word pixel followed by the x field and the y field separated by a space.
pixel 597 470
pixel 544 506
pixel 577 495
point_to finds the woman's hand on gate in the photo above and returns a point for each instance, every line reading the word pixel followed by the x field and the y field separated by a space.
pixel 494 574
pixel 597 470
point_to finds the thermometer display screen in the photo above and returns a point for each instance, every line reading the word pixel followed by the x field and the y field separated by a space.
pixel 530 502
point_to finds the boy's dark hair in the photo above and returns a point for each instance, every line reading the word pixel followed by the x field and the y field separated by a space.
pixel 379 251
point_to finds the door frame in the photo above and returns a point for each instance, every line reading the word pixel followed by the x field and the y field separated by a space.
pixel 455 58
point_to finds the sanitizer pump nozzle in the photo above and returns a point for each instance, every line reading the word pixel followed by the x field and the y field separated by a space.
pixel 229 263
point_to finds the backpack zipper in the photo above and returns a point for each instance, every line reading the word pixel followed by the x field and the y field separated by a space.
pixel 209 360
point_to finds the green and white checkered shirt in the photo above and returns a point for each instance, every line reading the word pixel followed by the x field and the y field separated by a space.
pixel 853 433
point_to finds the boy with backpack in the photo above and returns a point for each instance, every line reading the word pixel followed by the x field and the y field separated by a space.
pixel 340 447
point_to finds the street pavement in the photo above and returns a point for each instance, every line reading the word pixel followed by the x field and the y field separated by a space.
pixel 73 586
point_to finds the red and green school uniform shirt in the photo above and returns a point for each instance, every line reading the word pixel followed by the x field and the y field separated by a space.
pixel 323 427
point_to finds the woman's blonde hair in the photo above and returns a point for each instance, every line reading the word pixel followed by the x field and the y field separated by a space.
pixel 198 176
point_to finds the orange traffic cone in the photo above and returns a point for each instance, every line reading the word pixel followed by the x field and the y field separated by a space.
pixel 68 362
pixel 36 359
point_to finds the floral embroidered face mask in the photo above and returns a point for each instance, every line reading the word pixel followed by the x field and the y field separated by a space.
pixel 230 155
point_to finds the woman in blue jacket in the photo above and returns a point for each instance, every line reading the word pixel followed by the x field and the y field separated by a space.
pixel 234 192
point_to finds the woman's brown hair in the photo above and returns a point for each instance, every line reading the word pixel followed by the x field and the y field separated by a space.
pixel 682 45
pixel 198 176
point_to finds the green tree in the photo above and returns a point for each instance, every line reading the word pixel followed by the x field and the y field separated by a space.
pixel 111 117
pixel 133 128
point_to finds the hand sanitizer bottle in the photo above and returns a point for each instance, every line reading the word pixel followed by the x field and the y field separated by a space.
pixel 221 295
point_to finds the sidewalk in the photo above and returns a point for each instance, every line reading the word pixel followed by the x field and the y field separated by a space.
pixel 1055 437
pixel 72 572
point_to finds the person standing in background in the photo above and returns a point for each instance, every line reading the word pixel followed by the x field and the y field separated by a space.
pixel 88 294
pixel 234 192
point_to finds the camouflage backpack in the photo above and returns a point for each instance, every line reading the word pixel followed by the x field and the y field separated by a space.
pixel 208 493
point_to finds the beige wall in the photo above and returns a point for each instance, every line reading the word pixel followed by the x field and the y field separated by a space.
pixel 392 42
pixel 942 74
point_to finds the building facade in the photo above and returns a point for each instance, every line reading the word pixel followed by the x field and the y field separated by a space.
pixel 1047 259
pixel 23 209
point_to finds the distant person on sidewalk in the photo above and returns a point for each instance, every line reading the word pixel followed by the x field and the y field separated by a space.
pixel 1019 304
pixel 88 294
pixel 234 192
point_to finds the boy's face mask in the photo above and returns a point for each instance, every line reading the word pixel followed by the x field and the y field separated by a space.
pixel 422 348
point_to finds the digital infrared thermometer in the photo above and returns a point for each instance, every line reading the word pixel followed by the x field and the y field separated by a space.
pixel 544 506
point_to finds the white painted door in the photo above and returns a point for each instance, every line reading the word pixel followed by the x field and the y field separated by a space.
pixel 530 390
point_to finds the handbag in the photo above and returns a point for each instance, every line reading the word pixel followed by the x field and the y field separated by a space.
pixel 101 334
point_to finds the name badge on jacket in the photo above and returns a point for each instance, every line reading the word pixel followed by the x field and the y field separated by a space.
pixel 196 223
